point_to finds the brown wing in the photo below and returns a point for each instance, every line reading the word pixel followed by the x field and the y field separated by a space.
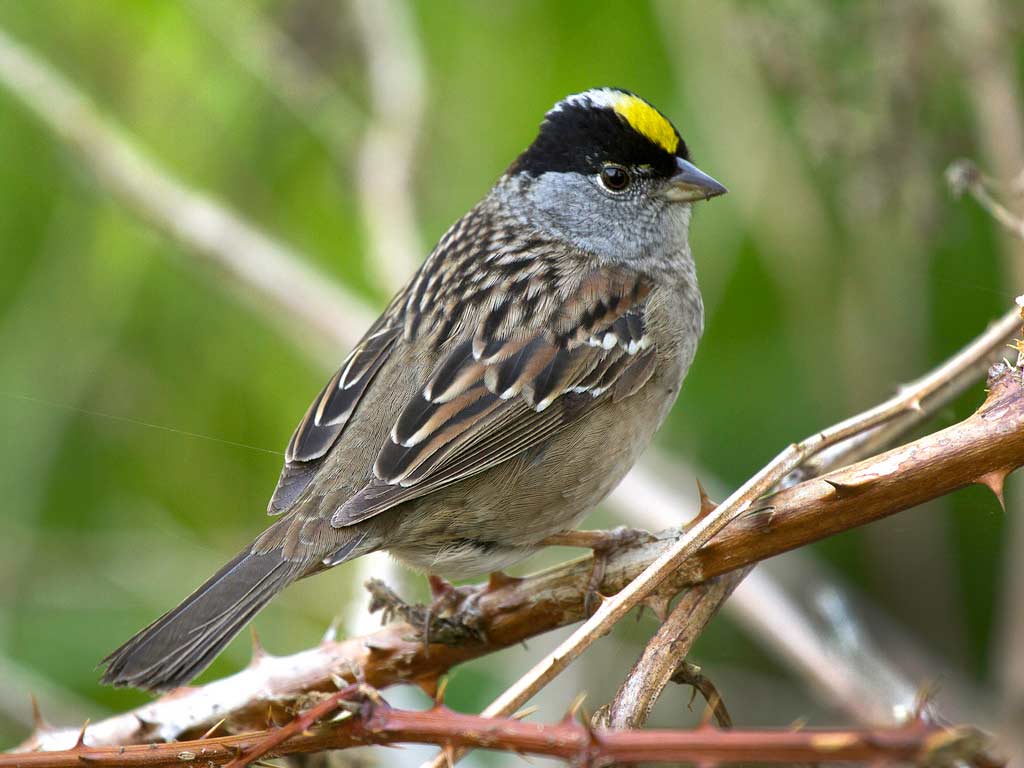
pixel 510 387
pixel 326 418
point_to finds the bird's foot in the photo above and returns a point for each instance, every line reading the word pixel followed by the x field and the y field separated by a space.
pixel 604 544
pixel 453 616
pixel 449 599
pixel 446 620
pixel 460 606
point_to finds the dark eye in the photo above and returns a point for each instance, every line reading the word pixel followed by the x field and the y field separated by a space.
pixel 615 178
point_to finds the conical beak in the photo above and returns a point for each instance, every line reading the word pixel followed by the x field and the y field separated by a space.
pixel 690 183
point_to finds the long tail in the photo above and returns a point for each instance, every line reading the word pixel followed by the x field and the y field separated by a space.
pixel 181 643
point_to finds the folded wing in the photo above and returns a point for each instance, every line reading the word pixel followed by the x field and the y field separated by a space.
pixel 329 413
pixel 508 387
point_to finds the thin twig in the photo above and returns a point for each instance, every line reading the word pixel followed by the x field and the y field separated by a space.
pixel 983 42
pixel 665 652
pixel 963 176
pixel 692 675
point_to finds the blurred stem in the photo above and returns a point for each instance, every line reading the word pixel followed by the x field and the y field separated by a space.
pixel 387 157
pixel 773 196
pixel 980 33
pixel 881 273
pixel 267 273
pixel 285 71
pixel 32 336
pixel 387 152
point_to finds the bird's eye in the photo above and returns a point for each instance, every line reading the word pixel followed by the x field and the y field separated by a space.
pixel 615 178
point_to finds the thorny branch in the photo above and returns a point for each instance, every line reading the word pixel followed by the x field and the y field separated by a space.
pixel 741 502
pixel 983 448
pixel 665 652
pixel 674 640
pixel 364 718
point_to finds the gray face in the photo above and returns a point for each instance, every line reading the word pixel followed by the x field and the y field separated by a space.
pixel 640 225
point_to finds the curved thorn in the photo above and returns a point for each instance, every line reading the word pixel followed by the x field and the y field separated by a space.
pixel 80 741
pixel 994 481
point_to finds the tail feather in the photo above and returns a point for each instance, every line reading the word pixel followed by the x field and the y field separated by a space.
pixel 180 644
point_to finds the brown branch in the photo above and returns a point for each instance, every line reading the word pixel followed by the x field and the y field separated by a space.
pixel 387 158
pixel 666 651
pixel 668 648
pixel 369 720
pixel 982 448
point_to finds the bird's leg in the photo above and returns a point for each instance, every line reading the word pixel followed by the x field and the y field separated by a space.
pixel 457 608
pixel 460 604
pixel 445 620
pixel 603 544
pixel 448 598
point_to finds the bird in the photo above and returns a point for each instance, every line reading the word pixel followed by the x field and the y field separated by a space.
pixel 502 394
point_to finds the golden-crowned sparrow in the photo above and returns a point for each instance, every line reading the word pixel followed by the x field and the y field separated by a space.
pixel 503 393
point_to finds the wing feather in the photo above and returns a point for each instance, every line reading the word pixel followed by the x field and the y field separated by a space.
pixel 504 390
pixel 328 414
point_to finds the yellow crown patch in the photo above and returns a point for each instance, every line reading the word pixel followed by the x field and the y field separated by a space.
pixel 647 121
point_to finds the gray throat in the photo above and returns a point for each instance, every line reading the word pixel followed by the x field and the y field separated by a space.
pixel 646 233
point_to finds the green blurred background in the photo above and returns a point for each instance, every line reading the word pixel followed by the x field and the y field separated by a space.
pixel 837 268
